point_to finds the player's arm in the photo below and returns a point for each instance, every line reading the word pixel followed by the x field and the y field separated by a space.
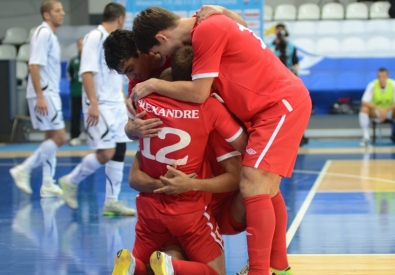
pixel 367 97
pixel 139 180
pixel 207 10
pixel 226 182
pixel 41 105
pixel 196 91
pixel 89 87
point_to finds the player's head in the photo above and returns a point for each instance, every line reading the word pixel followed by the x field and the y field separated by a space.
pixel 121 55
pixel 382 76
pixel 150 28
pixel 114 12
pixel 79 45
pixel 52 12
pixel 181 64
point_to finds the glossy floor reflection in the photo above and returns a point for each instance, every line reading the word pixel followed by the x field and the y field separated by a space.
pixel 351 211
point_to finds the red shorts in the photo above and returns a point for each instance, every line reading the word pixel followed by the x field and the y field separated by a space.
pixel 273 143
pixel 196 232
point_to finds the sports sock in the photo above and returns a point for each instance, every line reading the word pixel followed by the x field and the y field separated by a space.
pixel 364 123
pixel 42 153
pixel 140 268
pixel 49 166
pixel 114 176
pixel 192 268
pixel 260 230
pixel 278 256
pixel 87 166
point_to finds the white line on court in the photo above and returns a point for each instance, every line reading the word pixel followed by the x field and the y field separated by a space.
pixel 303 209
pixel 343 175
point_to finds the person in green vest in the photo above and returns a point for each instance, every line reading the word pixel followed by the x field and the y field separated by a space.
pixel 73 67
pixel 378 103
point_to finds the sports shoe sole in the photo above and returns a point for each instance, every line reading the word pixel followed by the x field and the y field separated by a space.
pixel 124 263
pixel 14 175
pixel 158 263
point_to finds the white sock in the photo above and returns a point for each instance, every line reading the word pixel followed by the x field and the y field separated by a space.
pixel 46 149
pixel 364 123
pixel 87 166
pixel 114 176
pixel 49 167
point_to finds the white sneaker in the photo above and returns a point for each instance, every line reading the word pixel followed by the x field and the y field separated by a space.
pixel 161 263
pixel 69 192
pixel 75 141
pixel 117 209
pixel 365 143
pixel 244 270
pixel 21 179
pixel 50 191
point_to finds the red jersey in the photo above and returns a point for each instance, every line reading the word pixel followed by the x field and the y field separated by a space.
pixel 249 77
pixel 155 74
pixel 182 140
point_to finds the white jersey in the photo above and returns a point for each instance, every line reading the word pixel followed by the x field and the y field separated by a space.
pixel 368 94
pixel 45 52
pixel 108 83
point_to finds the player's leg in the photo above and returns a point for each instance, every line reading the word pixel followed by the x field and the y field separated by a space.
pixel 52 122
pixel 271 154
pixel 114 167
pixel 231 218
pixel 76 105
pixel 365 114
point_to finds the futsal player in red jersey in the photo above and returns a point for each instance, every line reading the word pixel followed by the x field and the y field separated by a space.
pixel 258 89
pixel 184 216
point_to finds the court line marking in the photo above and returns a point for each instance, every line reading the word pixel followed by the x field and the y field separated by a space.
pixel 309 198
pixel 344 175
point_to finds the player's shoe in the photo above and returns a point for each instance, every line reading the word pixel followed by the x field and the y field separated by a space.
pixel 75 142
pixel 50 191
pixel 124 263
pixel 161 263
pixel 21 179
pixel 286 271
pixel 69 192
pixel 244 270
pixel 365 143
pixel 117 209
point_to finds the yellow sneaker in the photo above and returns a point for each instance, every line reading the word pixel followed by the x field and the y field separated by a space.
pixel 161 263
pixel 286 271
pixel 124 263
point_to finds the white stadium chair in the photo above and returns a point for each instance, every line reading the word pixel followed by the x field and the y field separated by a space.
pixel 305 44
pixel 357 11
pixel 304 28
pixel 24 53
pixel 15 35
pixel 275 3
pixel 21 72
pixel 380 26
pixel 379 45
pixel 285 12
pixel 353 46
pixel 7 52
pixel 332 11
pixel 328 27
pixel 268 13
pixel 309 11
pixel 327 46
pixel 29 37
pixel 379 10
pixel 353 26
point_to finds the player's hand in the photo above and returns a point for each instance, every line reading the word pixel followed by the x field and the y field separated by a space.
pixel 130 107
pixel 143 128
pixel 206 11
pixel 180 183
pixel 142 90
pixel 93 115
pixel 41 107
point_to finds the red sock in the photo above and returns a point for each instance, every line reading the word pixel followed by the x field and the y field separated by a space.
pixel 192 268
pixel 278 257
pixel 140 268
pixel 260 229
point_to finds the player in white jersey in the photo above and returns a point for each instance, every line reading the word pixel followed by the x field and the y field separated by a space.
pixel 44 101
pixel 105 116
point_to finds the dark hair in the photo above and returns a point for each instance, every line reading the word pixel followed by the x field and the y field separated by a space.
pixel 112 12
pixel 148 23
pixel 383 70
pixel 181 64
pixel 280 25
pixel 119 47
pixel 46 6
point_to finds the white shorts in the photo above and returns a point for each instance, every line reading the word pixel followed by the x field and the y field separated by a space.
pixel 110 129
pixel 54 119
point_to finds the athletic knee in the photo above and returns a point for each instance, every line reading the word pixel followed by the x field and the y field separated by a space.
pixel 218 264
pixel 119 154
pixel 59 137
pixel 105 155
